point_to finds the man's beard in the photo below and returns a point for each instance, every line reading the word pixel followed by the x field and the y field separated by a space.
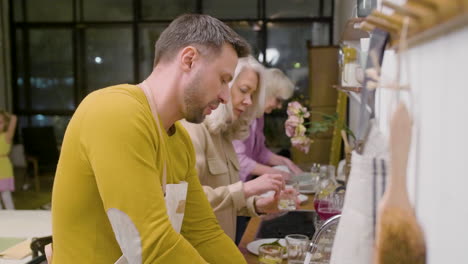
pixel 193 102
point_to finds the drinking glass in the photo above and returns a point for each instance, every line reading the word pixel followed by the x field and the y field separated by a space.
pixel 270 254
pixel 288 196
pixel 328 207
pixel 296 246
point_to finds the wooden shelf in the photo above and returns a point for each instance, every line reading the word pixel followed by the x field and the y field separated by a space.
pixel 353 92
pixel 356 89
pixel 439 30
pixel 428 19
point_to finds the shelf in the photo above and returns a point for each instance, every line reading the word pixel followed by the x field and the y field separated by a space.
pixel 356 89
pixel 428 19
pixel 353 93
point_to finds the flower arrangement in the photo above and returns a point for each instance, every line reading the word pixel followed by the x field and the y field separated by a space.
pixel 301 131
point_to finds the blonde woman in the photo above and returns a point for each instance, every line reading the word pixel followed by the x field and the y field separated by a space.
pixel 217 163
pixel 7 184
pixel 254 157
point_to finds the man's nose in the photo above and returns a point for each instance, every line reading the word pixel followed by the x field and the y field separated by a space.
pixel 224 95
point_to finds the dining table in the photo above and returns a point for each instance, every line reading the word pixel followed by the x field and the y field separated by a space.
pixel 253 226
pixel 21 225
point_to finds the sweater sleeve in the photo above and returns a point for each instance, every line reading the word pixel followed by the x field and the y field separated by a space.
pixel 201 227
pixel 223 196
pixel 264 154
pixel 246 163
pixel 230 196
pixel 126 160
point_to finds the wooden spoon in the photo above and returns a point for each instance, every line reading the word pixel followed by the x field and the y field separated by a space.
pixel 399 237
pixel 348 148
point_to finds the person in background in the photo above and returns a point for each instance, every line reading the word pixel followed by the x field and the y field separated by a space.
pixel 217 163
pixel 7 182
pixel 254 157
pixel 126 189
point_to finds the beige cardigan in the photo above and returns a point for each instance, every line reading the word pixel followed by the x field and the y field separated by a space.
pixel 218 169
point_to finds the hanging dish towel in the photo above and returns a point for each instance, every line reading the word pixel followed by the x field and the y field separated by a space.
pixel 355 233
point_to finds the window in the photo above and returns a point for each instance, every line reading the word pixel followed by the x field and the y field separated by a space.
pixel 109 57
pixel 51 69
pixel 20 74
pixel 166 9
pixel 65 49
pixel 250 31
pixel 107 10
pixel 148 34
pixel 239 9
pixel 293 8
pixel 49 10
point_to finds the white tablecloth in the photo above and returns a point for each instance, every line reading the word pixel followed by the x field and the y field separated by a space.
pixel 24 224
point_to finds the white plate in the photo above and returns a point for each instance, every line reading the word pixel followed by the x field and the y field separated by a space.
pixel 253 246
pixel 306 191
pixel 282 168
pixel 302 198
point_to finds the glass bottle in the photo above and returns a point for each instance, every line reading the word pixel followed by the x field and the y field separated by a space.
pixel 325 202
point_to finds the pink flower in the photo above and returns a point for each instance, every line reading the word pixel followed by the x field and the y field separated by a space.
pixel 291 124
pixel 289 129
pixel 302 143
pixel 296 109
pixel 300 130
pixel 295 128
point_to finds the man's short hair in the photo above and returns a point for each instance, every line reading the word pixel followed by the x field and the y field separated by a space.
pixel 200 31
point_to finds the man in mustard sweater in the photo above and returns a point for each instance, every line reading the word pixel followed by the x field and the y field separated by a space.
pixel 126 188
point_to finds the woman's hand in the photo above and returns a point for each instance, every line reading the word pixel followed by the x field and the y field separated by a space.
pixel 267 205
pixel 280 160
pixel 286 175
pixel 263 184
pixel 291 166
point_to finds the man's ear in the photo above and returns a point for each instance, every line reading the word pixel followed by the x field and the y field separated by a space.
pixel 188 56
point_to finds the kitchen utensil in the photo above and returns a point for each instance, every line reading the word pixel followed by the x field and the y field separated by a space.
pixel 348 148
pixel 400 238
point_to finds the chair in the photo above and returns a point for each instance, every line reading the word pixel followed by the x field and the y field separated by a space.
pixel 40 147
pixel 39 245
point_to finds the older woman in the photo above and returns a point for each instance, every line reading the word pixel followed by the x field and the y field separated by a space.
pixel 254 157
pixel 217 162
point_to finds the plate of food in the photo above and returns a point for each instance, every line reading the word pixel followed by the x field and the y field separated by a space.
pixel 253 246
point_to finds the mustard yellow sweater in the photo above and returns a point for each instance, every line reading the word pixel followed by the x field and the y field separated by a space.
pixel 112 158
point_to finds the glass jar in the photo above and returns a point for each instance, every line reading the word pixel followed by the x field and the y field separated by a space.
pixel 327 203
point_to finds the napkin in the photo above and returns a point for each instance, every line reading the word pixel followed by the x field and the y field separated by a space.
pixel 18 251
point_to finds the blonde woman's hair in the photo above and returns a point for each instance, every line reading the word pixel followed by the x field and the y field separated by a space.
pixel 6 119
pixel 278 84
pixel 221 120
